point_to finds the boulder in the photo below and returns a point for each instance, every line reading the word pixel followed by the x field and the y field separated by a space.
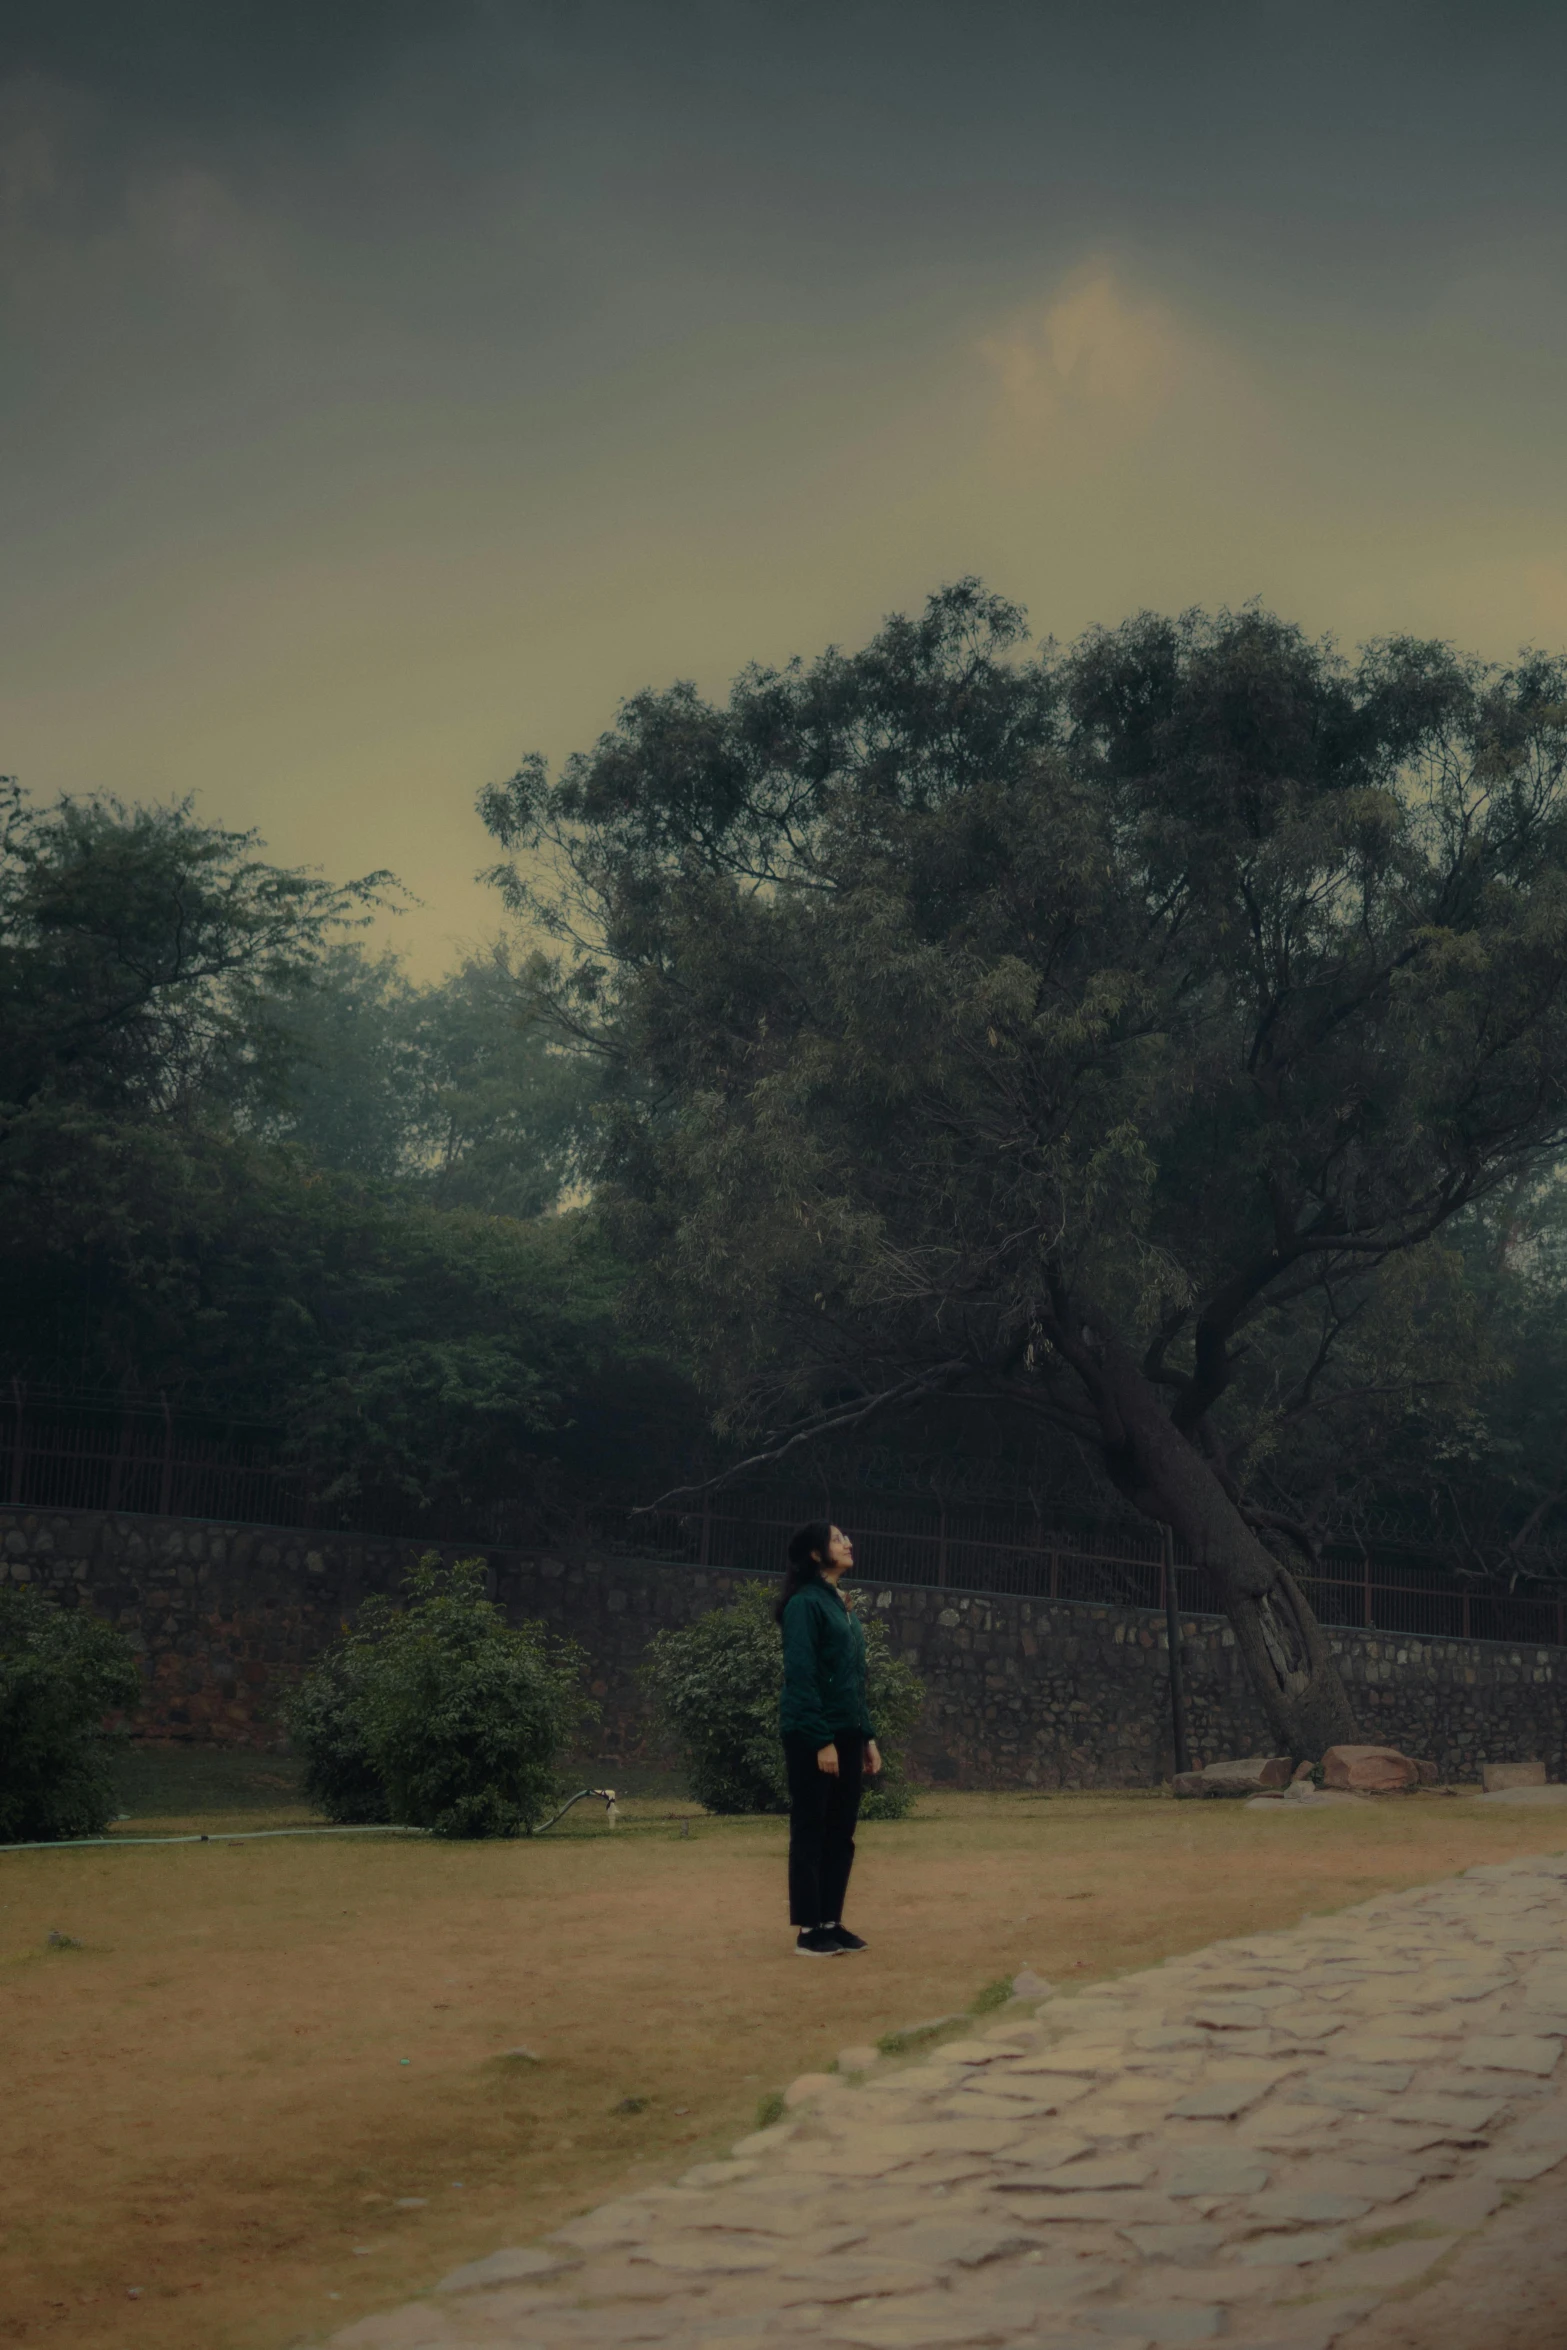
pixel 1369 1770
pixel 1246 1777
pixel 1495 1777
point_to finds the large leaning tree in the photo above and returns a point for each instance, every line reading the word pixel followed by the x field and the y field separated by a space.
pixel 1110 1034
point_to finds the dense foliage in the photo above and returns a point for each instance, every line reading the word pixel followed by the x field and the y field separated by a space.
pixel 322 1715
pixel 62 1671
pixel 1480 1482
pixel 1121 1035
pixel 438 1713
pixel 145 958
pixel 716 1684
pixel 247 1167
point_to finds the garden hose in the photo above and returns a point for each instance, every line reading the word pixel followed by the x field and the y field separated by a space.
pixel 220 1836
pixel 606 1796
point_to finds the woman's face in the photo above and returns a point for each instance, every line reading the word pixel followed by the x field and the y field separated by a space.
pixel 840 1552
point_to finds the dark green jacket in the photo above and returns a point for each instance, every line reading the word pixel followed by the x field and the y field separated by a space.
pixel 824 1668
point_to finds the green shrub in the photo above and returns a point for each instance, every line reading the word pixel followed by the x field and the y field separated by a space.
pixel 439 1714
pixel 716 1683
pixel 322 1716
pixel 61 1671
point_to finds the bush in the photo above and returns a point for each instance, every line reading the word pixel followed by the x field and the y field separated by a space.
pixel 439 1714
pixel 322 1717
pixel 716 1686
pixel 61 1671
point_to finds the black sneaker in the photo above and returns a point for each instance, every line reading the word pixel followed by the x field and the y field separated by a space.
pixel 844 1939
pixel 818 1942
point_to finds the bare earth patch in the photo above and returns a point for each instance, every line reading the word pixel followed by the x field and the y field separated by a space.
pixel 249 2097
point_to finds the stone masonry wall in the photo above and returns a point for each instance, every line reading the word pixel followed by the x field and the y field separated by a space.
pixel 1020 1692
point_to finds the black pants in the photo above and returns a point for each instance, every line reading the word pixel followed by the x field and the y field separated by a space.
pixel 822 1811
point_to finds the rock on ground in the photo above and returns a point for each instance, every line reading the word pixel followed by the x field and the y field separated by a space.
pixel 1369 1770
pixel 1496 1776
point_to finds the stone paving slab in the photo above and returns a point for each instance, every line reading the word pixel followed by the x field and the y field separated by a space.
pixel 1258 2144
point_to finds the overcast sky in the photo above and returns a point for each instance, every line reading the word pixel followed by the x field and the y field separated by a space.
pixel 388 387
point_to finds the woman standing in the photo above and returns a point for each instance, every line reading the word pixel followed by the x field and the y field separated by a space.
pixel 828 1740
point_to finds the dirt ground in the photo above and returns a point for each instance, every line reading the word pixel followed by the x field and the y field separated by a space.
pixel 277 2083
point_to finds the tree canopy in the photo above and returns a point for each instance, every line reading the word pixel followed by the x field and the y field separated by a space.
pixel 145 957
pixel 249 1167
pixel 1123 1033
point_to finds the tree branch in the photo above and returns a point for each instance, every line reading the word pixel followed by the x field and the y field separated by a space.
pixel 928 1382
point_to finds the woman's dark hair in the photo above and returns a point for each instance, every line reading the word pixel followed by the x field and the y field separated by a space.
pixel 807 1555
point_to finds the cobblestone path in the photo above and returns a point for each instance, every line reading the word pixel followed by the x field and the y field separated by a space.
pixel 1253 2145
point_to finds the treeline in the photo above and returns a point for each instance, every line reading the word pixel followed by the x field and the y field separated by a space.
pixel 248 1167
pixel 1136 1071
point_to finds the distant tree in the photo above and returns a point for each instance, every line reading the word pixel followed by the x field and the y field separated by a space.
pixel 145 963
pixel 1107 1034
pixel 503 1108
pixel 248 1167
pixel 456 1091
pixel 352 1090
pixel 145 958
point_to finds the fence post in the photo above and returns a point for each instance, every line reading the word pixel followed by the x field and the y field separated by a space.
pixel 1172 1623
pixel 18 1442
pixel 121 1455
pixel 705 1545
pixel 1466 1615
pixel 941 1548
pixel 1370 1611
pixel 1055 1574
pixel 166 1472
pixel 1561 1623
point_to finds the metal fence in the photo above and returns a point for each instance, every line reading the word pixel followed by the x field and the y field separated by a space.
pixel 57 1455
pixel 140 1457
pixel 989 1547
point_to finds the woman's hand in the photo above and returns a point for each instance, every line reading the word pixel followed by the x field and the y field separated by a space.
pixel 872 1758
pixel 827 1760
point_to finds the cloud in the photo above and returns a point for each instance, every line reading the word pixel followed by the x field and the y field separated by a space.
pixel 1092 371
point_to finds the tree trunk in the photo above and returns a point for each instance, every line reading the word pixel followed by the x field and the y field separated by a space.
pixel 1285 1651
